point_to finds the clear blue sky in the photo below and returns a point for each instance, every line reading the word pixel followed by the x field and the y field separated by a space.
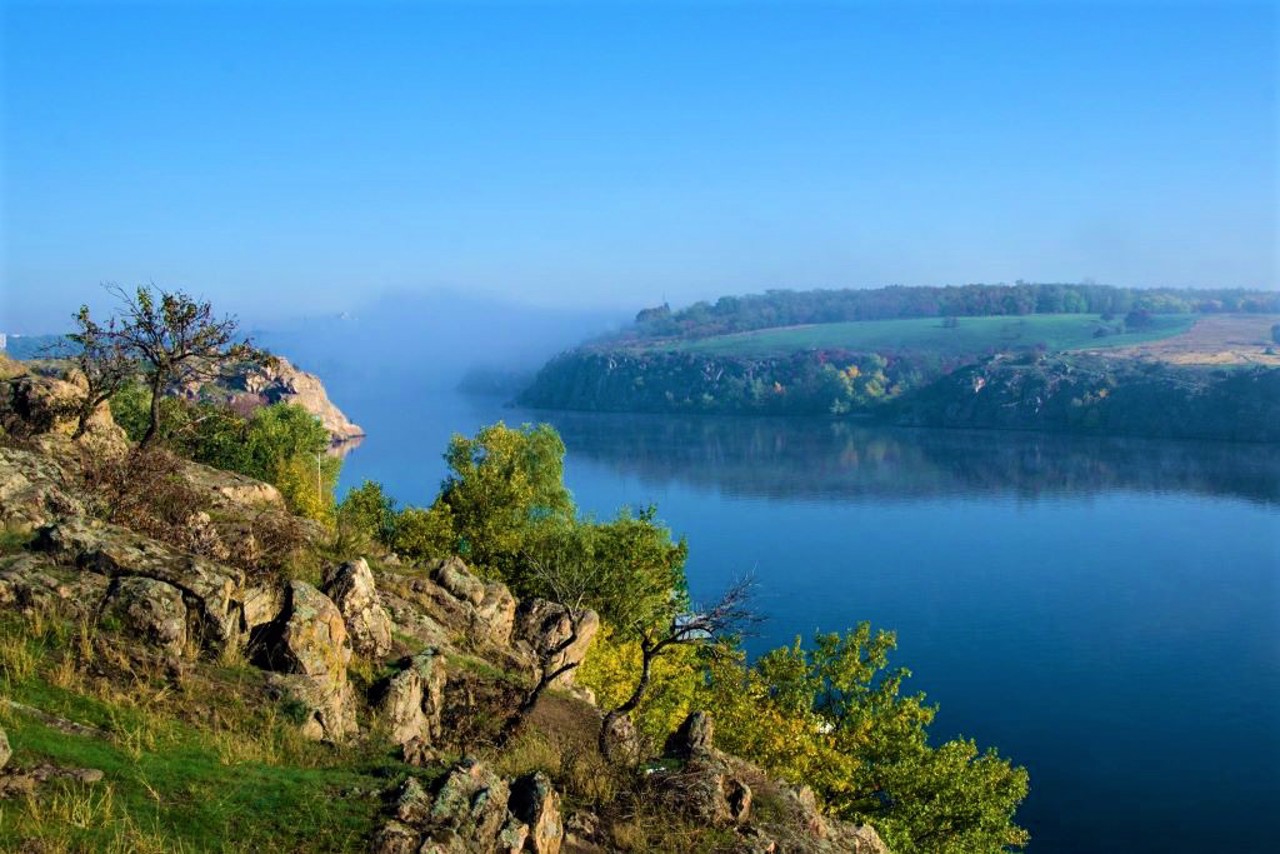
pixel 294 157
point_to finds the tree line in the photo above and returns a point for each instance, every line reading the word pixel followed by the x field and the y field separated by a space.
pixel 775 308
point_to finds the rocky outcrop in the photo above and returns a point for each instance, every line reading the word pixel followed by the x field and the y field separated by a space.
pixel 493 608
pixel 227 490
pixel 714 788
pixel 451 609
pixel 308 649
pixel 29 581
pixel 535 802
pixel 34 405
pixel 411 702
pixel 474 810
pixel 34 489
pixel 261 604
pixel 707 787
pixel 619 741
pixel 281 382
pixel 31 404
pixel 148 609
pixel 25 781
pixel 557 636
pixel 309 637
pixel 352 589
pixel 211 592
pixel 694 737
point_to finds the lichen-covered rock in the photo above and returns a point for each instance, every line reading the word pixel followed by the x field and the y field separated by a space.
pixel 452 574
pixel 262 604
pixel 396 838
pixel 229 490
pixel 214 591
pixel 34 581
pixel 413 806
pixel 451 609
pixel 308 638
pixel 413 699
pixel 308 648
pixel 545 627
pixel 325 707
pixel 352 589
pixel 534 802
pixel 696 735
pixel 31 404
pixel 150 610
pixel 472 802
pixel 492 607
pixel 495 617
pixel 34 489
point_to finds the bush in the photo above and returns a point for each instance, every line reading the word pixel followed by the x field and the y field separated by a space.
pixel 424 534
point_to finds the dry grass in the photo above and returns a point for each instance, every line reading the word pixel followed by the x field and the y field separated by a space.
pixel 1215 339
pixel 58 821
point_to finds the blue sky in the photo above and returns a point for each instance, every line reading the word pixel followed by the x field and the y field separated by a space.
pixel 301 158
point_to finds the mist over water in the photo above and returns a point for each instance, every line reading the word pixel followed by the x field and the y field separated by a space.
pixel 1105 612
pixel 428 340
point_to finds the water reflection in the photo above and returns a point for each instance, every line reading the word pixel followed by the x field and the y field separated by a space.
pixel 816 459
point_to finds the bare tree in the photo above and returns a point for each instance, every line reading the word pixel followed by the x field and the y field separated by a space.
pixel 179 340
pixel 730 616
pixel 105 362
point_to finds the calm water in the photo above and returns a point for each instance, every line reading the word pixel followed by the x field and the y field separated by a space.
pixel 1107 613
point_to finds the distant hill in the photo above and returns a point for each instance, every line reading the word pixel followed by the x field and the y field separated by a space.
pixel 780 308
pixel 798 353
pixel 38 347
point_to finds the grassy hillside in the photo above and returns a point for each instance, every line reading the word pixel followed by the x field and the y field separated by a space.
pixel 968 335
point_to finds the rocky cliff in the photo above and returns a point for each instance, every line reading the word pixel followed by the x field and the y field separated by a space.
pixel 282 382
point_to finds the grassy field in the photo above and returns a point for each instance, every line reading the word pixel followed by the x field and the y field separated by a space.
pixel 237 779
pixel 970 335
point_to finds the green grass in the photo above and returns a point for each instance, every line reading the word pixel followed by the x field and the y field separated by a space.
pixel 970 335
pixel 209 765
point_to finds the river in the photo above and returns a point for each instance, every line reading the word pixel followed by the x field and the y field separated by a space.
pixel 1105 612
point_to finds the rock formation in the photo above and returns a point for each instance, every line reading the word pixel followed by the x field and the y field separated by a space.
pixel 412 700
pixel 351 587
pixel 281 382
pixel 557 636
pixel 308 650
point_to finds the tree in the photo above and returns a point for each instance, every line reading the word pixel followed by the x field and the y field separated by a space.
pixel 833 717
pixel 178 340
pixel 105 363
pixel 367 511
pixel 500 485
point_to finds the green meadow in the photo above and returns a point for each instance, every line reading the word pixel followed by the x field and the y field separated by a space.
pixel 968 335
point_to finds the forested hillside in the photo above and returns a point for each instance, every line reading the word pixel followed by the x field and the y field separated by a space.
pixel 1065 358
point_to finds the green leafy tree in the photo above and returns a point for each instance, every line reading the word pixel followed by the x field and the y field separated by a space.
pixel 285 445
pixel 501 483
pixel 367 511
pixel 178 341
pixel 833 716
pixel 424 534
